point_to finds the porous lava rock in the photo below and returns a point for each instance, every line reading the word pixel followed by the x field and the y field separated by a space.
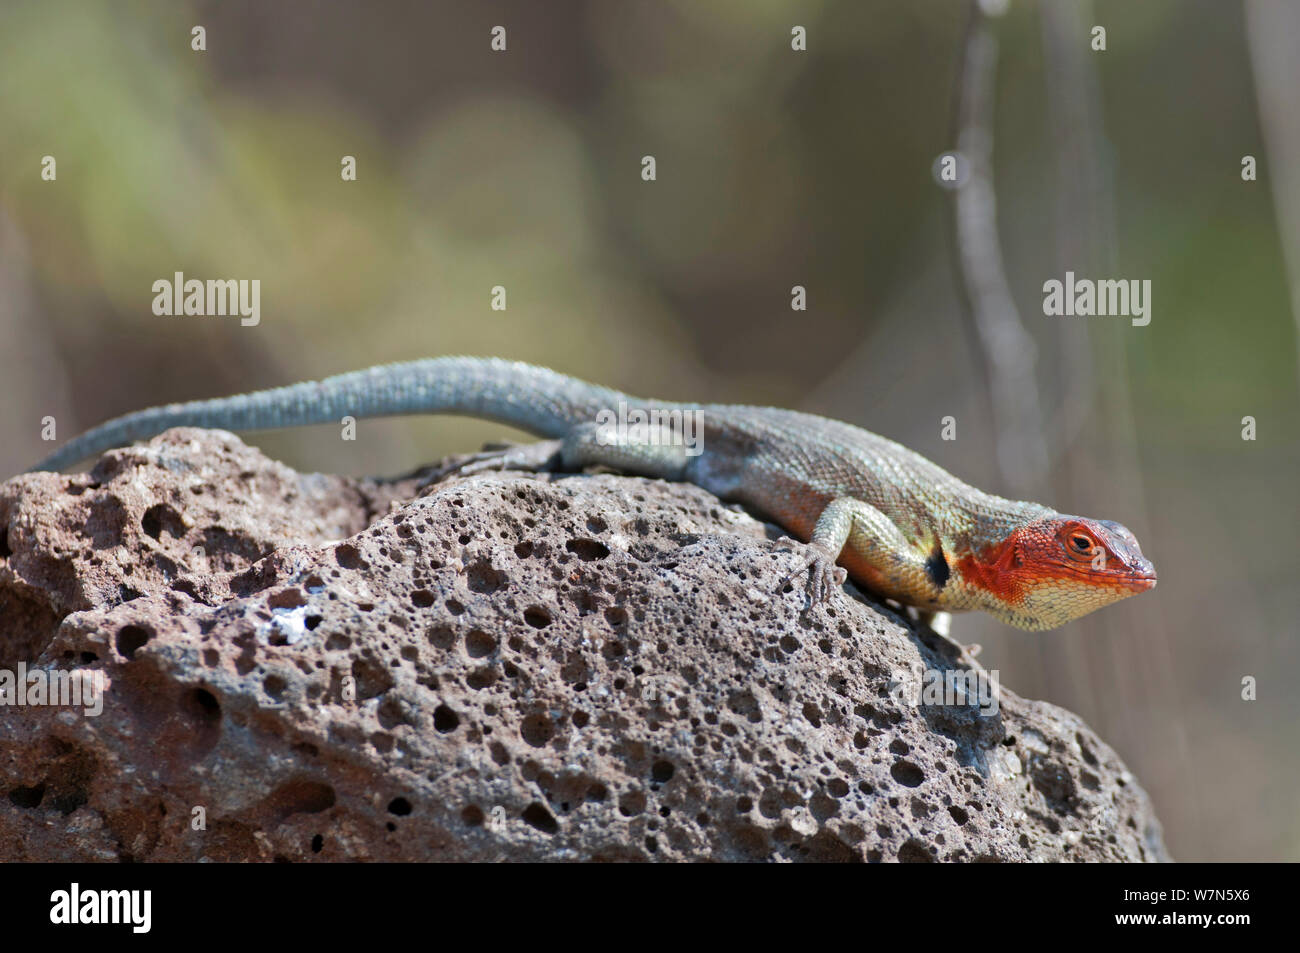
pixel 508 666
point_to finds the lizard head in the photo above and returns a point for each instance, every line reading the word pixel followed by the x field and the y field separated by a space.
pixel 1057 568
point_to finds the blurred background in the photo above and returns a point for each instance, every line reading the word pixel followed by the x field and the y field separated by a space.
pixel 775 168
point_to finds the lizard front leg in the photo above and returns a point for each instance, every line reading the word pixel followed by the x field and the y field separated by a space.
pixel 883 559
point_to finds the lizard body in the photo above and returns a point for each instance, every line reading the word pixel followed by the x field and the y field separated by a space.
pixel 900 525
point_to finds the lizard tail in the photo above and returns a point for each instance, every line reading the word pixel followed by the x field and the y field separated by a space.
pixel 532 398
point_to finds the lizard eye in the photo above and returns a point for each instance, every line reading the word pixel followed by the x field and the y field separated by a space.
pixel 1080 543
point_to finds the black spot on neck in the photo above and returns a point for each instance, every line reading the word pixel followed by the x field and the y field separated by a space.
pixel 936 567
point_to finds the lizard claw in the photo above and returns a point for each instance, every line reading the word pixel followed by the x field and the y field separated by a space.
pixel 823 575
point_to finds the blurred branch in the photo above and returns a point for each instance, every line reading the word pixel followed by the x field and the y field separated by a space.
pixel 1009 352
pixel 1272 32
pixel 1084 220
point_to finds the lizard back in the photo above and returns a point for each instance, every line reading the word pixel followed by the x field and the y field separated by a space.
pixel 791 464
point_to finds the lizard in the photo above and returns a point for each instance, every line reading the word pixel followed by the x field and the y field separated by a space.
pixel 867 508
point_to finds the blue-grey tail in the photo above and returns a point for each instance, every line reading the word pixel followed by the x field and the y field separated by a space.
pixel 531 398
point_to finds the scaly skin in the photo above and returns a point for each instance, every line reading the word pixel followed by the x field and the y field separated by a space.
pixel 900 526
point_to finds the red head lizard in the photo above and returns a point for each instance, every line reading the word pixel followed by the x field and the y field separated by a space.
pixel 899 525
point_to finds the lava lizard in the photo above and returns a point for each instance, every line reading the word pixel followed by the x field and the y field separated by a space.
pixel 901 526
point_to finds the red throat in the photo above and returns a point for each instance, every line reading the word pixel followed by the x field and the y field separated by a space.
pixel 997 569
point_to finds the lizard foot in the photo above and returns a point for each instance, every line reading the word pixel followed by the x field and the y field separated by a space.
pixel 823 575
pixel 543 455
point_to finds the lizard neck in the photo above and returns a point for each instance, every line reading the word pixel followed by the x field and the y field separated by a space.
pixel 987 568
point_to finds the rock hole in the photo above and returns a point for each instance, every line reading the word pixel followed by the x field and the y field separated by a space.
pixel 537 730
pixel 129 639
pixel 300 796
pixel 907 774
pixel 275 686
pixel 348 556
pixel 588 550
pixel 291 598
pixel 372 679
pixel 537 816
pixel 445 720
pixel 27 797
pixel 204 704
pixel 162 517
pixel 441 636
pixel 632 803
pixel 482 577
pixel 915 852
pixel 472 816
pixel 479 644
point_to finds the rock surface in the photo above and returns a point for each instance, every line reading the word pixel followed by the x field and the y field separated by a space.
pixel 509 666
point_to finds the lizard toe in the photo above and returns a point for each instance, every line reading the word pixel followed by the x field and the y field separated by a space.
pixel 824 577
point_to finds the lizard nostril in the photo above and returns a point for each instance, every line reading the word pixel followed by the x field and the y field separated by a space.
pixel 1144 575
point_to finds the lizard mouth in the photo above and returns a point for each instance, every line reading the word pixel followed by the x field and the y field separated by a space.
pixel 1132 580
pixel 1139 581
